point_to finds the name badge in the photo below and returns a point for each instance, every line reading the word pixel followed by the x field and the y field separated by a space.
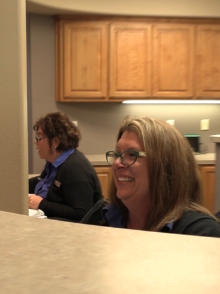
pixel 56 183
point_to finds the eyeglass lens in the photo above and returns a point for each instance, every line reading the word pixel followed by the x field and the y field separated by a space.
pixel 127 157
pixel 38 139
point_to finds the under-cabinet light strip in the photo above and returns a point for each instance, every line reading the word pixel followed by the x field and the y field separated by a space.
pixel 171 102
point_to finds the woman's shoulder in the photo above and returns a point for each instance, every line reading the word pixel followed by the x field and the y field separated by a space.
pixel 94 216
pixel 198 224
pixel 77 157
pixel 75 161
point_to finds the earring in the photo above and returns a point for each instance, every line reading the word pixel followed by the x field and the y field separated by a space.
pixel 55 148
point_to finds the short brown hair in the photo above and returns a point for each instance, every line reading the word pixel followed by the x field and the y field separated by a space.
pixel 58 124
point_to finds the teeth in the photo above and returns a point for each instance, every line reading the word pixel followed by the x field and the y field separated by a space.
pixel 123 179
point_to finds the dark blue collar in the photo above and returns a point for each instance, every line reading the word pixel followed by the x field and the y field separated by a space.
pixel 115 219
pixel 63 156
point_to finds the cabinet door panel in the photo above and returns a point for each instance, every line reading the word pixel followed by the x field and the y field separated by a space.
pixel 129 60
pixel 208 61
pixel 82 60
pixel 104 175
pixel 173 56
pixel 208 181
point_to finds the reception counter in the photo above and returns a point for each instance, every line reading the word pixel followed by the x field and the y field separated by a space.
pixel 48 256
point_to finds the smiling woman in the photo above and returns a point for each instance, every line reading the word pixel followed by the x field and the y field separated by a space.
pixel 68 186
pixel 156 183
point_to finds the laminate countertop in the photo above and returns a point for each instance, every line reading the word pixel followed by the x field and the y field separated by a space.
pixel 208 158
pixel 215 138
pixel 54 257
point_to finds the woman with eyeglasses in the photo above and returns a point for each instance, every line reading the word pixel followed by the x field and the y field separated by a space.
pixel 68 186
pixel 156 183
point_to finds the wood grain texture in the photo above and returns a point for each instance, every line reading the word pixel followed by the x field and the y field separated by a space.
pixel 104 175
pixel 115 58
pixel 83 60
pixel 208 61
pixel 130 55
pixel 173 60
pixel 208 180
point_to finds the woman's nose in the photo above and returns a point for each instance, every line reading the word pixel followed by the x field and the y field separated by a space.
pixel 118 162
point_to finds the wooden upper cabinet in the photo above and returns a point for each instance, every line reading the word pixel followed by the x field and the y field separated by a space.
pixel 120 58
pixel 208 61
pixel 130 56
pixel 173 60
pixel 81 60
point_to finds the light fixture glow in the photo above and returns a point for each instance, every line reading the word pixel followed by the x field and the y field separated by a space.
pixel 171 102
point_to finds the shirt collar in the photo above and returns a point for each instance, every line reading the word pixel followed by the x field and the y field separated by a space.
pixel 115 219
pixel 63 156
pixel 113 216
pixel 168 227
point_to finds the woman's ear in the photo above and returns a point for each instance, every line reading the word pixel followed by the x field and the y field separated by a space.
pixel 56 142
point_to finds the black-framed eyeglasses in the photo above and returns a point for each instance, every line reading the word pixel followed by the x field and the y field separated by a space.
pixel 38 139
pixel 128 157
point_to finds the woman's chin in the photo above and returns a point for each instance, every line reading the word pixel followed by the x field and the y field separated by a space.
pixel 122 195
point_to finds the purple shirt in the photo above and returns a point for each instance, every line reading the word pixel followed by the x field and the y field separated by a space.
pixel 43 185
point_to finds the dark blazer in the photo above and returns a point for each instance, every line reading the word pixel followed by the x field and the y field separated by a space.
pixel 75 189
pixel 191 223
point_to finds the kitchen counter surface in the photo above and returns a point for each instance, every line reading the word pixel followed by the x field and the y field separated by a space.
pixel 53 257
pixel 215 138
pixel 98 159
pixel 208 158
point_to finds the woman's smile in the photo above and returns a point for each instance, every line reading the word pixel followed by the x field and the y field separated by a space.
pixel 125 179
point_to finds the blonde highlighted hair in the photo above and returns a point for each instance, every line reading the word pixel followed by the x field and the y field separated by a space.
pixel 174 178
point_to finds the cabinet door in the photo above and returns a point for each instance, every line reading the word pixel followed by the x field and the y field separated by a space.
pixel 104 174
pixel 208 61
pixel 208 180
pixel 81 60
pixel 173 60
pixel 130 57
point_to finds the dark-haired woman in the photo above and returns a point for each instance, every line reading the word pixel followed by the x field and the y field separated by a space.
pixel 68 186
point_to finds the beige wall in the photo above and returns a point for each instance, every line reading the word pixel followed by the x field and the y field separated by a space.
pixel 92 118
pixel 13 107
pixel 98 121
